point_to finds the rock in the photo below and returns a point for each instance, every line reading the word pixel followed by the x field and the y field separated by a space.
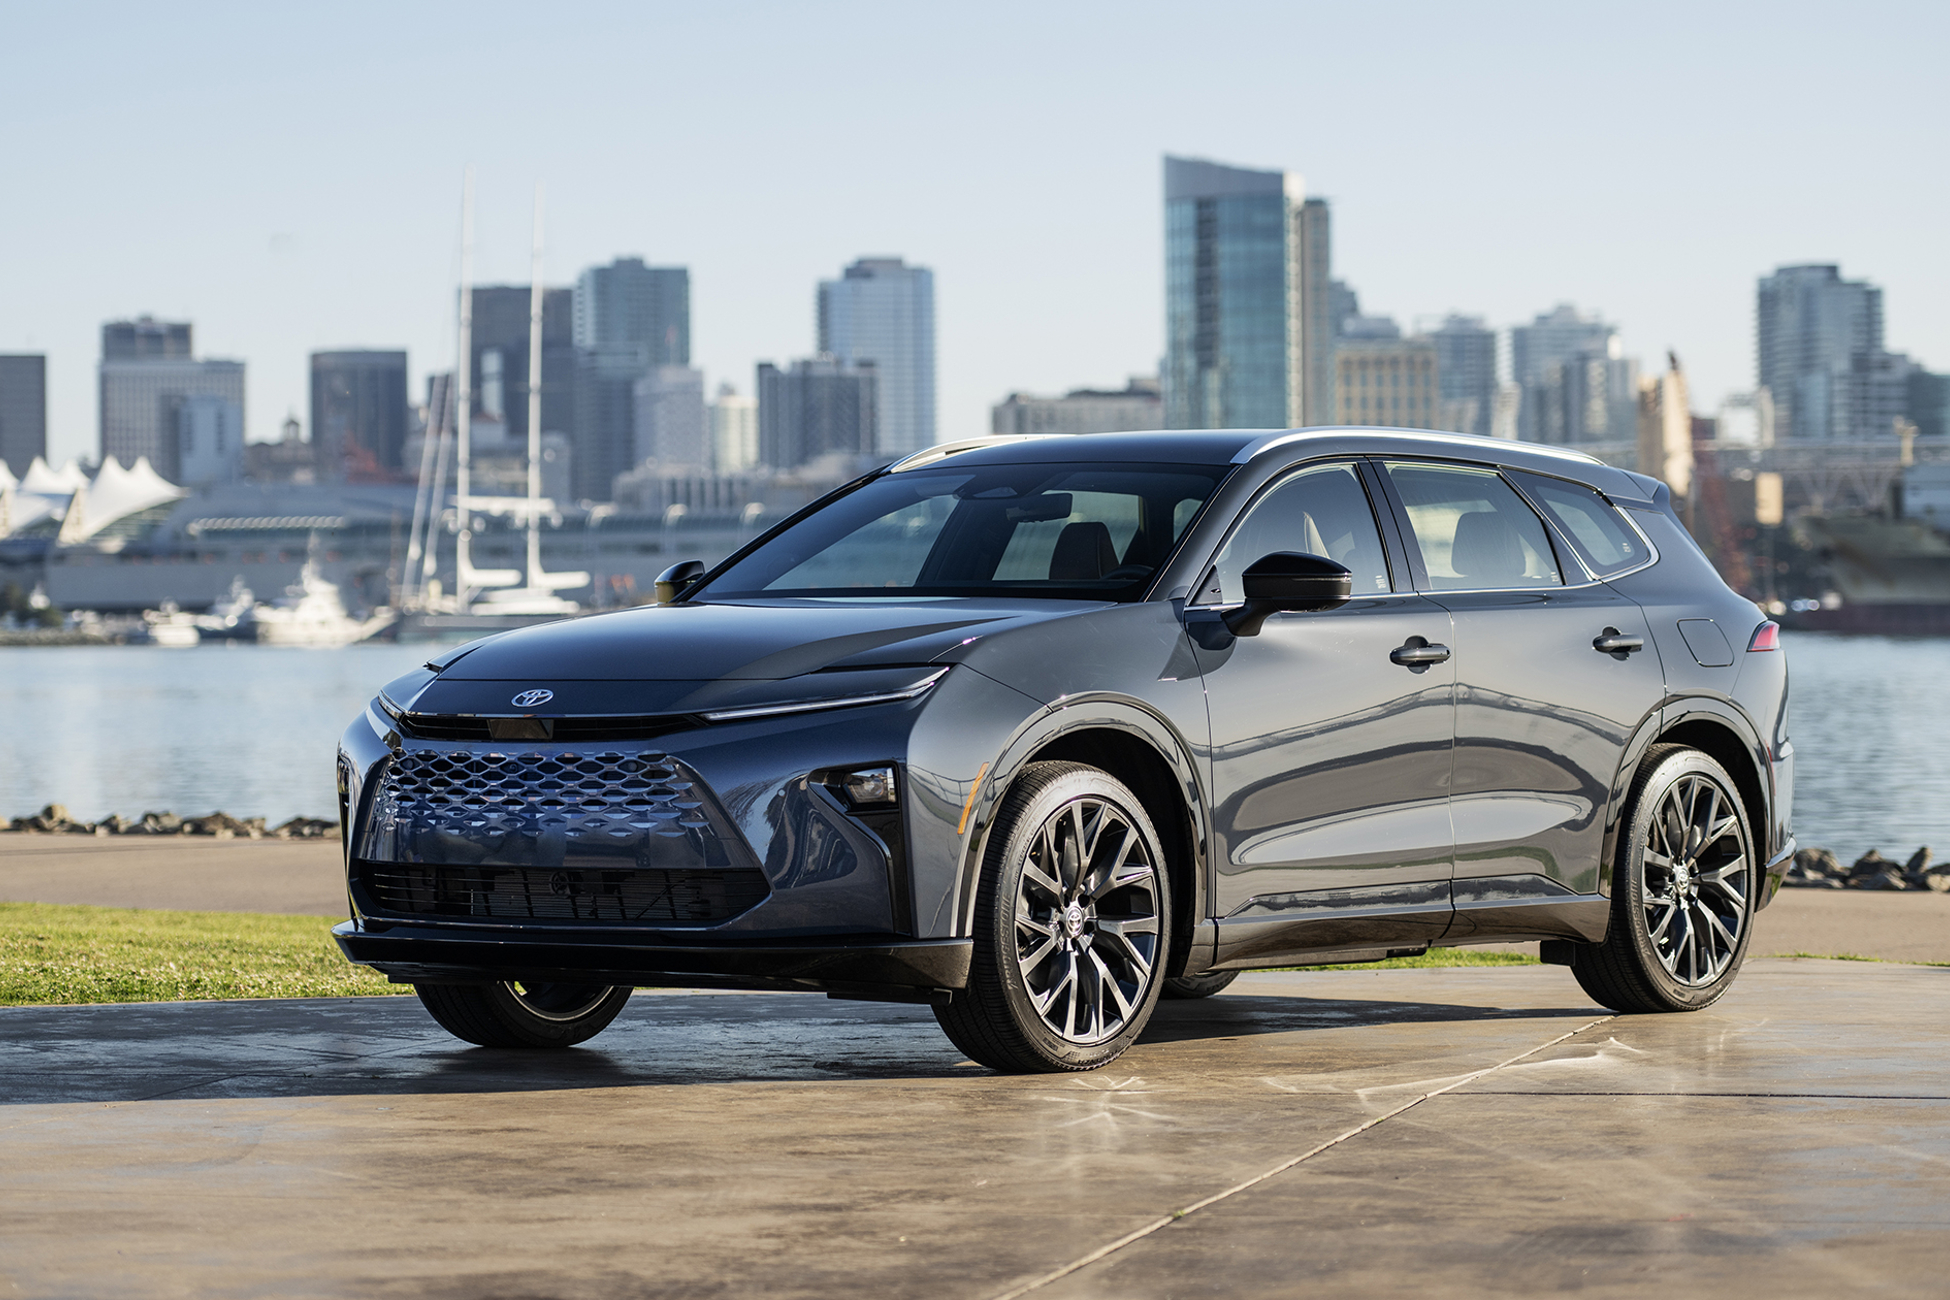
pixel 1891 879
pixel 1816 863
pixel 1937 880
pixel 1918 863
pixel 306 828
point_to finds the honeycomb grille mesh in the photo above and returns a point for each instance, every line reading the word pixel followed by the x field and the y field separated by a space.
pixel 582 835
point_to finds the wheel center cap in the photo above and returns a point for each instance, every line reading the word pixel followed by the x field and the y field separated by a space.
pixel 1073 920
pixel 1682 876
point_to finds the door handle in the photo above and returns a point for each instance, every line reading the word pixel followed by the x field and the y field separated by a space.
pixel 1617 644
pixel 1417 654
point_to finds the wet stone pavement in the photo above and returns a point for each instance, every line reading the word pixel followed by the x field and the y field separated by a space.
pixel 1432 1132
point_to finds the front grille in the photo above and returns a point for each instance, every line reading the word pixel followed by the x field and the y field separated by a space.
pixel 575 731
pixel 601 896
pixel 556 834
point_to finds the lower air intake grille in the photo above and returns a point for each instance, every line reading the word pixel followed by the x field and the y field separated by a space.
pixel 609 896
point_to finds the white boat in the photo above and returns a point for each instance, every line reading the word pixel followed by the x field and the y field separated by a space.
pixel 234 617
pixel 170 627
pixel 310 613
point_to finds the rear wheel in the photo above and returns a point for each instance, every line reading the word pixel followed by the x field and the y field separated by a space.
pixel 519 1013
pixel 1683 892
pixel 1199 986
pixel 1070 926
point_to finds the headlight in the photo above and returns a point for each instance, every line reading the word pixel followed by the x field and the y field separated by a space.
pixel 870 787
pixel 838 702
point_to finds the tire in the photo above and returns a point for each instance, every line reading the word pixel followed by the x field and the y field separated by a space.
pixel 1199 986
pixel 1071 927
pixel 1682 905
pixel 521 1014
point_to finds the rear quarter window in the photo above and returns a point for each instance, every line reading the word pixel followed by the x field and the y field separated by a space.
pixel 1602 539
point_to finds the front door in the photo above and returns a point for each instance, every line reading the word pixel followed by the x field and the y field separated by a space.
pixel 1330 760
pixel 1543 713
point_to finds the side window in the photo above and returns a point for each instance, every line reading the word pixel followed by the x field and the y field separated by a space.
pixel 1472 528
pixel 1605 543
pixel 1321 511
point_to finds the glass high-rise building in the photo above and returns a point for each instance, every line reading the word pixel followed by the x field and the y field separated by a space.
pixel 880 312
pixel 1465 350
pixel 628 302
pixel 146 372
pixel 816 408
pixel 1249 302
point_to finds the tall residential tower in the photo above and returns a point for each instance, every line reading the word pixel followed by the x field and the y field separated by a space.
pixel 880 312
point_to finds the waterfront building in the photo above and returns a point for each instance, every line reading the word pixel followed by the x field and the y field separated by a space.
pixel 629 302
pixel 1465 363
pixel 146 369
pixel 23 411
pixel 500 357
pixel 734 431
pixel 880 312
pixel 1391 382
pixel 359 415
pixel 1928 396
pixel 671 424
pixel 1138 405
pixel 1816 335
pixel 1249 299
pixel 286 461
pixel 209 440
pixel 604 442
pixel 814 409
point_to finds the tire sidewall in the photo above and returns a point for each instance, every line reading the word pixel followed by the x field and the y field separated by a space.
pixel 1003 879
pixel 543 1031
pixel 1630 882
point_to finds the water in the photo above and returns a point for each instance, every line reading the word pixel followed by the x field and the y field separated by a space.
pixel 251 730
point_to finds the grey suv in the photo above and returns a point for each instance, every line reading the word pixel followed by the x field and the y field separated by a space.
pixel 1038 731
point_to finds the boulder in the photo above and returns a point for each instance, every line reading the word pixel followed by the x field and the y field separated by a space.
pixel 1891 879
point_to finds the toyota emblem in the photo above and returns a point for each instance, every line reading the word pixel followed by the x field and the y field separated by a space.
pixel 529 699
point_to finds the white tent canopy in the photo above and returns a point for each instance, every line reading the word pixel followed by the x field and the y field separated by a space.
pixel 115 494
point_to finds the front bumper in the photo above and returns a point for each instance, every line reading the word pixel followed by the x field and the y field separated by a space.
pixel 861 966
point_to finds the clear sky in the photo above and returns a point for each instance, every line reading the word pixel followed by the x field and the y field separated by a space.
pixel 288 177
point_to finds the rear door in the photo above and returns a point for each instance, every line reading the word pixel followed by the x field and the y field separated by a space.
pixel 1554 672
pixel 1330 760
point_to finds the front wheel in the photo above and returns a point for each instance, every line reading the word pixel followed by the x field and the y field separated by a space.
pixel 1071 927
pixel 1683 894
pixel 520 1013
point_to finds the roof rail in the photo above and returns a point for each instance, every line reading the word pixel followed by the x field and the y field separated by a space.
pixel 943 450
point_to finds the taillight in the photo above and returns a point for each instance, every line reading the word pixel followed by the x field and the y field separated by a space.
pixel 1766 637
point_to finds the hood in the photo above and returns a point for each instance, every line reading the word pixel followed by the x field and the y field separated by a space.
pixel 680 658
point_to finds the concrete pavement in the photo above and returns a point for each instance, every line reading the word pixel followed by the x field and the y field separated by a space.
pixel 1439 1132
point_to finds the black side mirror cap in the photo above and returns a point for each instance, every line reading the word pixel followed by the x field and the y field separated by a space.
pixel 673 582
pixel 1288 582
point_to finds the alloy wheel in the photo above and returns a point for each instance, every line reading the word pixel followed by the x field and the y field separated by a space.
pixel 557 1002
pixel 1087 921
pixel 1697 874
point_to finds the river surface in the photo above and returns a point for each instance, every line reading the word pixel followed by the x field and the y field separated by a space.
pixel 250 730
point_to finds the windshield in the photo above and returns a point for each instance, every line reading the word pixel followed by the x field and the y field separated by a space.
pixel 1075 532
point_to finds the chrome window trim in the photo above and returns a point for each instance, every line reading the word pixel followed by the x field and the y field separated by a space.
pixel 1279 479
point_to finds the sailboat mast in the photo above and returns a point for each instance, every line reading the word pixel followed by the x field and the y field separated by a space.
pixel 463 376
pixel 535 403
pixel 436 425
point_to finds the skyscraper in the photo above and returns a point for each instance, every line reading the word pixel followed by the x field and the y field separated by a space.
pixel 880 312
pixel 23 411
pixel 500 358
pixel 1816 334
pixel 628 302
pixel 817 408
pixel 1249 299
pixel 209 440
pixel 146 370
pixel 1574 385
pixel 1465 352
pixel 358 415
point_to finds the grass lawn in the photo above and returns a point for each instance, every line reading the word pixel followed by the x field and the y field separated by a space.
pixel 60 955
pixel 64 955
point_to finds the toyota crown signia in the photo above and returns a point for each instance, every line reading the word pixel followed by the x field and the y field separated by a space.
pixel 1038 731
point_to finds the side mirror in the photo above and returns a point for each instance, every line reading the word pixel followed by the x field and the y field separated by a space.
pixel 1288 582
pixel 673 582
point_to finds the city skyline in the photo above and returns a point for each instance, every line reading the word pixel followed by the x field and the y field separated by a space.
pixel 1036 207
